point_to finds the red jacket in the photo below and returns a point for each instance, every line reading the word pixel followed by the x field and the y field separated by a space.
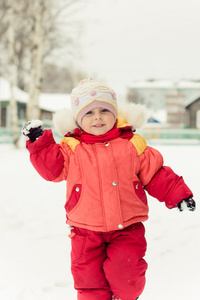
pixel 106 181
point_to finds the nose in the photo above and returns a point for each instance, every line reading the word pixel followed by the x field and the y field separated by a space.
pixel 98 116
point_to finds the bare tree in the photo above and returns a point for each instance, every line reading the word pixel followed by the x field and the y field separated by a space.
pixel 30 31
pixel 11 55
pixel 44 38
pixel 39 13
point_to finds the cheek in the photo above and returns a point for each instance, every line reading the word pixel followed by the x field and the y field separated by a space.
pixel 84 123
pixel 111 122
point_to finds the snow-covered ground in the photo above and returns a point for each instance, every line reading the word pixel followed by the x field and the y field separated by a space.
pixel 35 249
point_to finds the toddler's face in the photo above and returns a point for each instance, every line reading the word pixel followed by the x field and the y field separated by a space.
pixel 98 121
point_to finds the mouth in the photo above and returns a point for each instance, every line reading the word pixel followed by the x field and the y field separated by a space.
pixel 98 125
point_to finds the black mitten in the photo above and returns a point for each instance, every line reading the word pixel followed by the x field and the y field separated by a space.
pixel 187 204
pixel 33 129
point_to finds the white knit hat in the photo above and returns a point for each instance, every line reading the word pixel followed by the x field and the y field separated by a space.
pixel 90 94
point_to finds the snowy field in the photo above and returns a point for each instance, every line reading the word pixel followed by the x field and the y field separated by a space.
pixel 35 249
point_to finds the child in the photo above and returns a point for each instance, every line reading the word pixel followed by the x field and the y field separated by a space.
pixel 107 168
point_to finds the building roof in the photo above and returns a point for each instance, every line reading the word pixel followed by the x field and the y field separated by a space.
pixel 54 102
pixel 192 100
pixel 5 94
pixel 50 102
pixel 165 84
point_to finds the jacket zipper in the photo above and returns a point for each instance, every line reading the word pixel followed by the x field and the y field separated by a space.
pixel 100 188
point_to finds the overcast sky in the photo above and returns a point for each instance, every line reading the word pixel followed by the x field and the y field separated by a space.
pixel 126 40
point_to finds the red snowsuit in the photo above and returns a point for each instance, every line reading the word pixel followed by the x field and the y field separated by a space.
pixel 106 204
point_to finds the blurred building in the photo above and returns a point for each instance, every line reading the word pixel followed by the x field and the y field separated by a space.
pixel 193 112
pixel 169 95
pixel 48 104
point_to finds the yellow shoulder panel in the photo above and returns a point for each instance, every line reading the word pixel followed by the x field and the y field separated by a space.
pixel 121 122
pixel 139 143
pixel 71 142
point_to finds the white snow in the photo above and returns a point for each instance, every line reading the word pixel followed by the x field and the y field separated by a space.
pixel 31 124
pixel 35 249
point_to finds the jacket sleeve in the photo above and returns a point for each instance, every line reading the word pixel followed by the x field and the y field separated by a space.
pixel 46 157
pixel 168 187
pixel 150 162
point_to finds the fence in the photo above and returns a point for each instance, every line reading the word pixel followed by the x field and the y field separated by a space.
pixel 153 136
pixel 171 136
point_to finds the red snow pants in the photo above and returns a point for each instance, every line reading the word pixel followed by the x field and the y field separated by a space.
pixel 109 263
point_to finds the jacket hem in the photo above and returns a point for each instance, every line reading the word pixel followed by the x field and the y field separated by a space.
pixel 108 228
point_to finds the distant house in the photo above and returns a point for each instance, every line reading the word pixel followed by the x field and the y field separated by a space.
pixel 48 103
pixel 21 98
pixel 193 113
pixel 165 94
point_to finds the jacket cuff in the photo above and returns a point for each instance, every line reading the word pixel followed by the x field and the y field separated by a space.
pixel 43 141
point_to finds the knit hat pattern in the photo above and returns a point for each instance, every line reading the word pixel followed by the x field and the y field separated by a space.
pixel 90 94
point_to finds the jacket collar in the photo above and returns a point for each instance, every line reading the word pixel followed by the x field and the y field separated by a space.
pixel 82 136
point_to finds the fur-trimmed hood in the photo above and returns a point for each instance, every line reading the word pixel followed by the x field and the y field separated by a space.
pixel 134 114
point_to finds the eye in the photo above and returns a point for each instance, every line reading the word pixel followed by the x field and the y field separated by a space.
pixel 104 110
pixel 89 112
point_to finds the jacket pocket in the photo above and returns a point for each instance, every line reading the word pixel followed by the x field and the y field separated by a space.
pixel 74 198
pixel 140 191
